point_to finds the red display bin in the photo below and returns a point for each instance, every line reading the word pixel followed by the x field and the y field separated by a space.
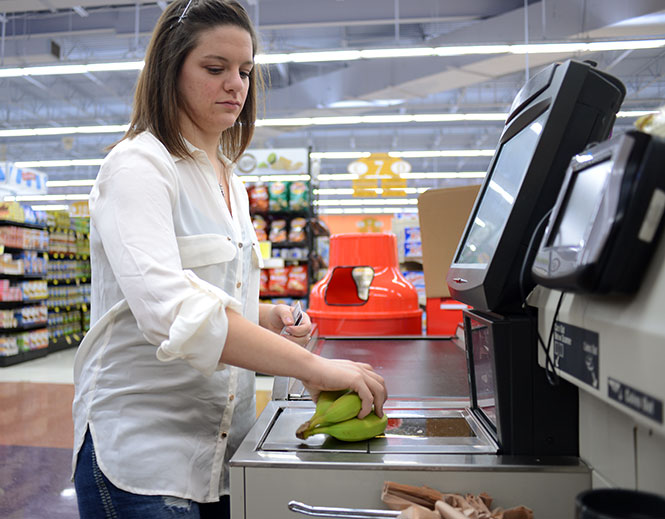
pixel 443 315
pixel 364 293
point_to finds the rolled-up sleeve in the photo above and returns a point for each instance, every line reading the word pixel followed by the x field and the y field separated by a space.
pixel 131 207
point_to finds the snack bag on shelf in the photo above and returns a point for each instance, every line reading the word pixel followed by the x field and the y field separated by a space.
pixel 278 231
pixel 261 227
pixel 297 281
pixel 278 196
pixel 278 279
pixel 297 230
pixel 258 198
pixel 265 280
pixel 298 196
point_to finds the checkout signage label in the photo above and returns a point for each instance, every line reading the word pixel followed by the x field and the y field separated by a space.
pixel 576 352
pixel 635 399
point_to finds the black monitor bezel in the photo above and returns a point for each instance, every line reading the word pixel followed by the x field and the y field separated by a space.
pixel 571 108
pixel 602 265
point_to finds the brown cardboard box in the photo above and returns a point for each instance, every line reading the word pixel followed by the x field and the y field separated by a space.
pixel 443 214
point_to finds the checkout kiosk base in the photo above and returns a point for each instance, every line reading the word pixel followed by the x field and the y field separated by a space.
pixel 433 439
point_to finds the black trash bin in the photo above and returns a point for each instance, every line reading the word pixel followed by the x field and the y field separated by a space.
pixel 619 503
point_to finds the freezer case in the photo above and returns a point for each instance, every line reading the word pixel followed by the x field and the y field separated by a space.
pixel 432 439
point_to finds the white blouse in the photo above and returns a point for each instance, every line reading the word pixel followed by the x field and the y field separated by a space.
pixel 167 259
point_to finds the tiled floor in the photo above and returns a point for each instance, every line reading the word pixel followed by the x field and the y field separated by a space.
pixel 36 433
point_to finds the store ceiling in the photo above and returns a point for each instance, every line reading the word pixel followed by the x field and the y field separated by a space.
pixel 50 32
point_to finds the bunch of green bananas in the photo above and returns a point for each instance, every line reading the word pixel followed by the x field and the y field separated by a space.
pixel 336 415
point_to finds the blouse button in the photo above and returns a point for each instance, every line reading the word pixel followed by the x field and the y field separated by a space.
pixel 231 398
pixel 224 434
pixel 228 238
pixel 240 245
pixel 238 284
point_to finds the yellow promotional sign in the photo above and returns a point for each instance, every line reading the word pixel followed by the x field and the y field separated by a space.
pixel 79 209
pixel 379 173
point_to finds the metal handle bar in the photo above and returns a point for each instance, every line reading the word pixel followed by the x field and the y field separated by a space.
pixel 341 513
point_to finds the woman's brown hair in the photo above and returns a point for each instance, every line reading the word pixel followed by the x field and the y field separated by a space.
pixel 156 99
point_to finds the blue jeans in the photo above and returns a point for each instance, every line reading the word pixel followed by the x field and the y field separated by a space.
pixel 98 498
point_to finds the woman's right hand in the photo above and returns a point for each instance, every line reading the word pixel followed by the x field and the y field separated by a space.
pixel 335 374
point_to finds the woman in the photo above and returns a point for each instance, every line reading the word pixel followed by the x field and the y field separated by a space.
pixel 164 391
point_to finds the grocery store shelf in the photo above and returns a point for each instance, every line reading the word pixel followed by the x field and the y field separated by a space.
pixel 23 356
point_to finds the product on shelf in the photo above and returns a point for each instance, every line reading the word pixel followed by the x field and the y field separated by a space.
pixel 264 281
pixel 12 212
pixel 297 229
pixel 278 232
pixel 278 196
pixel 260 226
pixel 8 345
pixel 298 196
pixel 277 279
pixel 258 198
pixel 10 292
pixel 23 316
pixel 297 280
pixel 11 266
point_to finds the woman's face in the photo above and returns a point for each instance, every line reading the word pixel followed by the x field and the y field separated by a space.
pixel 214 79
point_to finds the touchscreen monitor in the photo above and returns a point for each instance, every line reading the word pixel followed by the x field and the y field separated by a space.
pixel 558 112
pixel 581 206
pixel 506 178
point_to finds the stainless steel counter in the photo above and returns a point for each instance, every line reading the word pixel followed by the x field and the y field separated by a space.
pixel 413 367
pixel 432 439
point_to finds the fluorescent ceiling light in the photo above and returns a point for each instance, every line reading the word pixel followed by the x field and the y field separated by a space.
pixel 363 103
pixel 366 201
pixel 352 55
pixel 404 52
pixel 70 183
pixel 64 130
pixel 463 50
pixel 298 121
pixel 58 163
pixel 368 210
pixel 44 198
pixel 442 153
pixel 407 154
pixel 50 207
pixel 339 154
pixel 273 178
pixel 59 70
pixel 378 190
pixel 439 175
pixel 328 177
pixel 80 11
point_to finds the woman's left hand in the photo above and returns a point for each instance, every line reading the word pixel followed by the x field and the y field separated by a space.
pixel 280 320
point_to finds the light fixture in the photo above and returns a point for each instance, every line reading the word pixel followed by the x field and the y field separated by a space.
pixel 50 207
pixel 64 130
pixel 80 11
pixel 70 183
pixel 353 55
pixel 274 178
pixel 58 163
pixel 441 153
pixel 366 201
pixel 45 198
pixel 403 154
pixel 368 210
pixel 339 154
pixel 327 177
pixel 377 190
pixel 61 70
pixel 299 121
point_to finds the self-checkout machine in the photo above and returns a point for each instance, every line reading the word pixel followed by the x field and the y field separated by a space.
pixel 516 437
pixel 601 305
